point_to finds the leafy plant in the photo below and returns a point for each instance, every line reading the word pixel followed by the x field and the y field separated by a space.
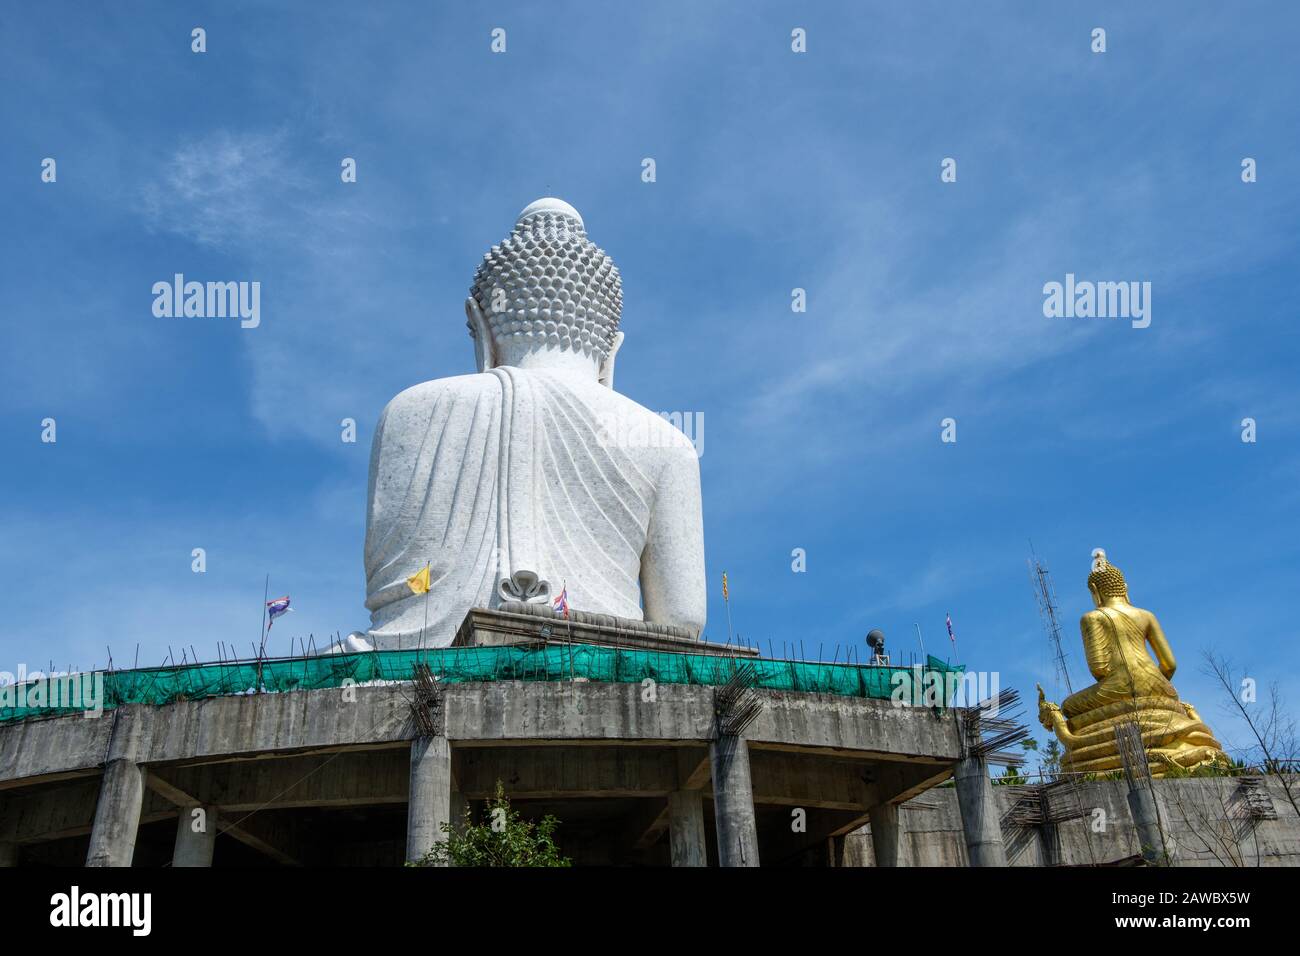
pixel 504 838
pixel 1011 775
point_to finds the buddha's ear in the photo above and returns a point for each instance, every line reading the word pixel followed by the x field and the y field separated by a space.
pixel 483 351
pixel 606 374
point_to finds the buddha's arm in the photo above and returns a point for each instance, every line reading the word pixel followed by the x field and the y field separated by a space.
pixel 1096 643
pixel 672 564
pixel 1160 644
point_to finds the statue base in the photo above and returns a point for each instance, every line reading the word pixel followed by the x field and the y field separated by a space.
pixel 518 623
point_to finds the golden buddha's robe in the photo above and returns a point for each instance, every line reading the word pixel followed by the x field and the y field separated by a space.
pixel 1114 643
pixel 1131 687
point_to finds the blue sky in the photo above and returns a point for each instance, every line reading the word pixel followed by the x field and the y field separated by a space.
pixel 774 171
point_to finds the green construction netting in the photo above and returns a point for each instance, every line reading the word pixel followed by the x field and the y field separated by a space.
pixel 461 664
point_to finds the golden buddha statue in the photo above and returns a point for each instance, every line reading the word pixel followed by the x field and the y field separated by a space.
pixel 1130 687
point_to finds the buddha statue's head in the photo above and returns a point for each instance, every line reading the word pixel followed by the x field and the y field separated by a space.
pixel 546 296
pixel 1106 582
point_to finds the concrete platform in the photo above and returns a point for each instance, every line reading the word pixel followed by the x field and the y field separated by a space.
pixel 529 623
pixel 253 761
pixel 637 773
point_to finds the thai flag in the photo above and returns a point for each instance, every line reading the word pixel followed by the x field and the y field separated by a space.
pixel 561 602
pixel 951 636
pixel 275 608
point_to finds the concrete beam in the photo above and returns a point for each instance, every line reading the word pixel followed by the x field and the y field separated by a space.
pixel 481 714
pixel 341 779
pixel 260 834
pixel 568 772
pixel 49 813
pixel 47 751
pixel 693 773
pixel 807 780
pixel 253 832
pixel 478 715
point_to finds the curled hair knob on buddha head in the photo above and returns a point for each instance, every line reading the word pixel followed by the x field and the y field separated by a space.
pixel 1106 581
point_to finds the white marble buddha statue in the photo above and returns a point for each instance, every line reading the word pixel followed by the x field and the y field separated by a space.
pixel 533 474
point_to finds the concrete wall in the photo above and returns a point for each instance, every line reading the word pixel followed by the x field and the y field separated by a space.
pixel 265 724
pixel 1206 823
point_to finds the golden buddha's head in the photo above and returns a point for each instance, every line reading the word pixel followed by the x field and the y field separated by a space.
pixel 1106 581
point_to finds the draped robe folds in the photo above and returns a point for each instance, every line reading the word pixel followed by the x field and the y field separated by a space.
pixel 1131 688
pixel 1118 648
pixel 507 484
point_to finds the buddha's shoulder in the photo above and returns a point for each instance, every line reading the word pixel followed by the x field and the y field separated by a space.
pixel 1098 616
pixel 659 432
pixel 426 393
pixel 1093 618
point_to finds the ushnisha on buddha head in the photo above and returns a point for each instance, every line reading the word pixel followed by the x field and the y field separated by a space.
pixel 1106 582
pixel 547 296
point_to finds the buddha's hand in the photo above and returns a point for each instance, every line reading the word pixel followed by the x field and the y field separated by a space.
pixel 1049 715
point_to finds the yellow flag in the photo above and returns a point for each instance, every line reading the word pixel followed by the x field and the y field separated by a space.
pixel 724 587
pixel 419 581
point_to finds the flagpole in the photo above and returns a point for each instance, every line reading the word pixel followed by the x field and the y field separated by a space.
pixel 261 637
pixel 568 624
pixel 726 599
pixel 919 640
pixel 420 654
pixel 266 591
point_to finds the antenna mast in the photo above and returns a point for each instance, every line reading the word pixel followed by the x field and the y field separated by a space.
pixel 1045 596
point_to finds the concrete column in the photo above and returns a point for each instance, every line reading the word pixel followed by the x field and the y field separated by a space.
pixel 121 790
pixel 430 800
pixel 1142 805
pixel 196 835
pixel 884 833
pixel 836 852
pixel 686 828
pixel 117 814
pixel 8 836
pixel 980 822
pixel 1049 844
pixel 733 802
